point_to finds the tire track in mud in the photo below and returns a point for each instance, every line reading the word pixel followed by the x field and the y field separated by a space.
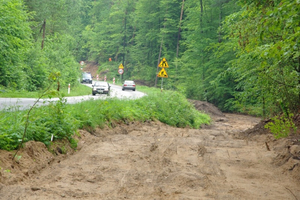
pixel 155 161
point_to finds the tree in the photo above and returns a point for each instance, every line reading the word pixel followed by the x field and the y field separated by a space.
pixel 266 35
pixel 14 41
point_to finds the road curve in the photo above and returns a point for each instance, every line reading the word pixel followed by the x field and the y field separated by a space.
pixel 26 103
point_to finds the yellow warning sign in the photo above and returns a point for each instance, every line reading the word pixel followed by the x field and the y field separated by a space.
pixel 121 66
pixel 162 73
pixel 163 63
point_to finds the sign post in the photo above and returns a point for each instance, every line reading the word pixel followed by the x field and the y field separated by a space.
pixel 81 63
pixel 121 71
pixel 163 73
pixel 69 88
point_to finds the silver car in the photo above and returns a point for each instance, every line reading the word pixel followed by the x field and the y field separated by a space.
pixel 128 85
pixel 101 87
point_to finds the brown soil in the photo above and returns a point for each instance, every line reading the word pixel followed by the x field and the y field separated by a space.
pixel 92 68
pixel 155 161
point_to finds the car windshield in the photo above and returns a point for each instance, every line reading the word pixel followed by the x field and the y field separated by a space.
pixel 86 76
pixel 101 84
pixel 129 82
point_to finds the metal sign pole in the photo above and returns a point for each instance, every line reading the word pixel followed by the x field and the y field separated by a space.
pixel 162 81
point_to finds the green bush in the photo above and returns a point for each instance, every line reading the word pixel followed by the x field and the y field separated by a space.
pixel 62 120
pixel 281 126
pixel 168 107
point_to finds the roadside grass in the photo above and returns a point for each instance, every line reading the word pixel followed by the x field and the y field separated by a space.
pixel 78 90
pixel 61 120
pixel 148 90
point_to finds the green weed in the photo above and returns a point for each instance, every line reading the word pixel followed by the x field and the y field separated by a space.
pixel 282 126
pixel 18 157
pixel 63 120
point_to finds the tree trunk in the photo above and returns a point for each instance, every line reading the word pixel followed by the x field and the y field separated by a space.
pixel 220 23
pixel 177 50
pixel 201 14
pixel 124 43
pixel 44 31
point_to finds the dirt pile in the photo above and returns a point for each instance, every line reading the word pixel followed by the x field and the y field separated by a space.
pixel 287 149
pixel 91 67
pixel 29 160
pixel 207 108
pixel 34 157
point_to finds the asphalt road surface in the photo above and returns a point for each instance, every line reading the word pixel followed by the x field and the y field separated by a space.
pixel 25 103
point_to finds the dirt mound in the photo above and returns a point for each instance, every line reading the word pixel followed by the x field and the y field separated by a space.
pixel 258 129
pixel 29 160
pixel 34 157
pixel 287 150
pixel 207 108
pixel 91 67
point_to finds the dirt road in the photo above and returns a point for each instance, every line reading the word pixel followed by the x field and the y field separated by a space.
pixel 156 161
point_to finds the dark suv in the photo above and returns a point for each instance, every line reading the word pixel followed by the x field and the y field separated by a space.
pixel 86 78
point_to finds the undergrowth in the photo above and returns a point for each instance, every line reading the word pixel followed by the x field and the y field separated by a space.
pixel 282 126
pixel 62 120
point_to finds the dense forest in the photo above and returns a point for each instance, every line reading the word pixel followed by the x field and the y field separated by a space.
pixel 241 55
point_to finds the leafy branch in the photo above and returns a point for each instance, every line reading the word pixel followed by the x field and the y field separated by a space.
pixel 53 77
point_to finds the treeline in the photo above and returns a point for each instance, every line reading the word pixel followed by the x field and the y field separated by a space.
pixel 241 55
pixel 37 38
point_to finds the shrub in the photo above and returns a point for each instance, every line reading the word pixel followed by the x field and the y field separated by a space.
pixel 282 126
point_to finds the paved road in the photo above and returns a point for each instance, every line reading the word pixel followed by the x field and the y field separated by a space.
pixel 25 103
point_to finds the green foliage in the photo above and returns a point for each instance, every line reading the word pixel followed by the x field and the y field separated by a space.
pixel 14 40
pixel 265 37
pixel 44 121
pixel 172 108
pixel 62 120
pixel 52 120
pixel 239 55
pixel 168 107
pixel 11 128
pixel 23 65
pixel 282 126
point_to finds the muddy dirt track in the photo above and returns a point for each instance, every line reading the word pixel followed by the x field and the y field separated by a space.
pixel 156 161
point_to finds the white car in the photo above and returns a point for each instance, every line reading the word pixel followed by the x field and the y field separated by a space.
pixel 101 87
pixel 128 85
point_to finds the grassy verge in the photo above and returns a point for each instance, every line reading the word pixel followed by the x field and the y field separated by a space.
pixel 62 120
pixel 78 90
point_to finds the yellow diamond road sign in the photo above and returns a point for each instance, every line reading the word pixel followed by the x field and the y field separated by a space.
pixel 121 66
pixel 162 73
pixel 163 63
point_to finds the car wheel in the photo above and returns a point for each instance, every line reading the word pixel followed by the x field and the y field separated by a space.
pixel 123 89
pixel 133 90
pixel 94 94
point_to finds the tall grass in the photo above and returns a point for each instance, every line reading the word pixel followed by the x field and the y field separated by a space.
pixel 62 120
